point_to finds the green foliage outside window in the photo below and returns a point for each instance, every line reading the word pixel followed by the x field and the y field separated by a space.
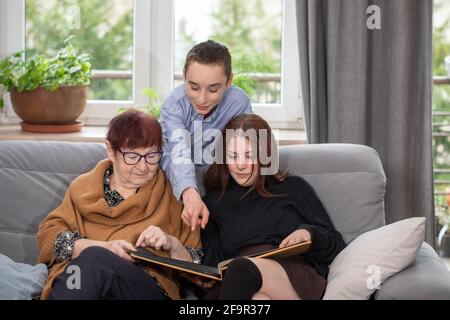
pixel 2 104
pixel 104 33
pixel 441 123
pixel 153 106
pixel 253 37
pixel 109 40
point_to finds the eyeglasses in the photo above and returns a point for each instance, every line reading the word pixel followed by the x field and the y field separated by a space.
pixel 132 158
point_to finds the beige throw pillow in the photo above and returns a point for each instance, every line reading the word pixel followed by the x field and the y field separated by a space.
pixel 373 257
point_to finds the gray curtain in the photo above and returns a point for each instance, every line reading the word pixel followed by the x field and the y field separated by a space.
pixel 373 87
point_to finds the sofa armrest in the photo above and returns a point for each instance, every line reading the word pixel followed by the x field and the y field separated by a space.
pixel 426 278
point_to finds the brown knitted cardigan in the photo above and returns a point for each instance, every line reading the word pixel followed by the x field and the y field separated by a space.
pixel 85 210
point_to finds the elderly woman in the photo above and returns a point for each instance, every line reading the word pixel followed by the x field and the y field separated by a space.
pixel 124 202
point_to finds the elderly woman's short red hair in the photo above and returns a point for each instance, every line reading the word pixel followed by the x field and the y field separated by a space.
pixel 134 129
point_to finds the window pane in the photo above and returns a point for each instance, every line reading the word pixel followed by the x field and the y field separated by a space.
pixel 102 28
pixel 250 29
pixel 441 113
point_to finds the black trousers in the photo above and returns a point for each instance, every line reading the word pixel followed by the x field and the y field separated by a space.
pixel 98 273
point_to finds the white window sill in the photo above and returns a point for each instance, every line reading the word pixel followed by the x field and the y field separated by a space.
pixel 97 134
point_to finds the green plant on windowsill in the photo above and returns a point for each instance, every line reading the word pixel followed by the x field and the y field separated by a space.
pixel 153 107
pixel 47 91
pixel 26 71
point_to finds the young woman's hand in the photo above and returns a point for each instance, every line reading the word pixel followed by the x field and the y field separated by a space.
pixel 295 237
pixel 195 211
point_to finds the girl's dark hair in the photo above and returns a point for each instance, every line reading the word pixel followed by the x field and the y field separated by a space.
pixel 209 52
pixel 218 176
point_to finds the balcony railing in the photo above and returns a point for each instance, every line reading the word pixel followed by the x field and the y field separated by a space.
pixel 112 74
pixel 444 132
pixel 268 85
pixel 267 88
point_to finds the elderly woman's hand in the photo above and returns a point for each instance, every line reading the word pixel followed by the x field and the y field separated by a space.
pixel 121 248
pixel 154 237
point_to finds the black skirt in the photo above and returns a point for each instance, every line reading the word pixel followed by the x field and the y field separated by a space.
pixel 306 281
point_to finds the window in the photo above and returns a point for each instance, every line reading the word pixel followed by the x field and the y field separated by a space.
pixel 253 31
pixel 140 44
pixel 250 29
pixel 441 113
pixel 131 68
pixel 101 28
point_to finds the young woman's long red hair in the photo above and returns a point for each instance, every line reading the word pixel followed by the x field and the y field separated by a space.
pixel 218 176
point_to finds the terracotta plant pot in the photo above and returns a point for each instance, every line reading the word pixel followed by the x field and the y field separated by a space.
pixel 43 107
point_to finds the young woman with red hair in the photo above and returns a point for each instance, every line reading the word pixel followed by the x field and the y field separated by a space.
pixel 252 210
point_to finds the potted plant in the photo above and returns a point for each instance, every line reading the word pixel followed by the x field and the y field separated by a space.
pixel 153 107
pixel 48 94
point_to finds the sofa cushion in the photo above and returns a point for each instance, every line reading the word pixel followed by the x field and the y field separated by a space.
pixel 34 175
pixel 349 179
pixel 373 257
pixel 20 281
pixel 426 278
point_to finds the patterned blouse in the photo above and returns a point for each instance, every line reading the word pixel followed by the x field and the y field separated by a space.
pixel 64 243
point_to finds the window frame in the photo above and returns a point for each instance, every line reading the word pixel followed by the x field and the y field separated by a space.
pixel 288 114
pixel 153 53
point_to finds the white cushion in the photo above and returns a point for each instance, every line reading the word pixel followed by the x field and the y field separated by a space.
pixel 373 257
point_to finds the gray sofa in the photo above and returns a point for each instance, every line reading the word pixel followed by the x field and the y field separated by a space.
pixel 348 178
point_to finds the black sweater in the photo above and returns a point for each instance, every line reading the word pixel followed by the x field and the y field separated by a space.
pixel 236 223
